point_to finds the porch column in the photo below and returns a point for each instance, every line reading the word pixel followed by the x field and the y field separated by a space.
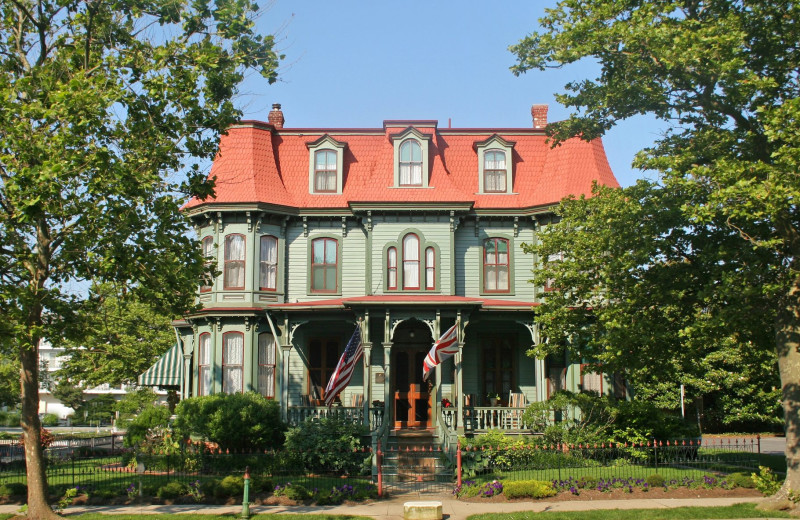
pixel 285 351
pixel 187 367
pixel 459 385
pixel 367 362
pixel 541 380
pixel 387 367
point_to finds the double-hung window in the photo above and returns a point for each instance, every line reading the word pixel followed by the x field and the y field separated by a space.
pixel 266 365
pixel 207 245
pixel 232 359
pixel 411 261
pixel 234 262
pixel 268 268
pixel 324 265
pixel 204 364
pixel 494 171
pixel 495 265
pixel 391 268
pixel 325 170
pixel 410 163
pixel 430 269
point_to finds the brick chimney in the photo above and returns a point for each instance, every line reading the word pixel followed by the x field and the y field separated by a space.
pixel 539 113
pixel 276 116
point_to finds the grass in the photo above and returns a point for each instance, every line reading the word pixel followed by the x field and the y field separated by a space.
pixel 678 513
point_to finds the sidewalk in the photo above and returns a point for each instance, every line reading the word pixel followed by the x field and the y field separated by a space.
pixel 392 509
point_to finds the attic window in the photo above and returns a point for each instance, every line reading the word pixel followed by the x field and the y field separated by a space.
pixel 325 166
pixel 411 168
pixel 495 173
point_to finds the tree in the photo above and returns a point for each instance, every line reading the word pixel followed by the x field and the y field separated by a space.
pixel 122 337
pixel 69 394
pixel 9 383
pixel 104 108
pixel 723 75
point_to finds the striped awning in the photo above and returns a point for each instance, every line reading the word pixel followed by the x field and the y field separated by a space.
pixel 167 371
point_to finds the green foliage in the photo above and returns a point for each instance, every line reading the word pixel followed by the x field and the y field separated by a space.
pixel 171 490
pixel 99 409
pixel 148 419
pixel 9 489
pixel 329 444
pixel 230 486
pixel 292 491
pixel 134 403
pixel 69 394
pixel 122 337
pixel 528 489
pixel 239 422
pixel 9 383
pixel 655 480
pixel 587 481
pixel 742 480
pixel 50 419
pixel 9 419
pixel 766 481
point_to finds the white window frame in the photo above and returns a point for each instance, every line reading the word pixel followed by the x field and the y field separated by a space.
pixel 495 143
pixel 423 140
pixel 326 143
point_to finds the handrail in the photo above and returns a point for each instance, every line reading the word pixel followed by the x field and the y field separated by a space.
pixel 297 414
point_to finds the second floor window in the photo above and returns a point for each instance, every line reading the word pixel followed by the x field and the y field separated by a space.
pixel 234 262
pixel 494 171
pixel 325 171
pixel 410 164
pixel 324 267
pixel 232 357
pixel 391 268
pixel 266 365
pixel 411 261
pixel 207 246
pixel 495 265
pixel 268 268
pixel 430 268
pixel 204 365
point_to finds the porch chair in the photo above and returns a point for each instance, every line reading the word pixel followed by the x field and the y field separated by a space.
pixel 356 400
pixel 516 404
pixel 470 419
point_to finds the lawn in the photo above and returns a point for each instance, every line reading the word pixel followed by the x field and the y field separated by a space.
pixel 678 513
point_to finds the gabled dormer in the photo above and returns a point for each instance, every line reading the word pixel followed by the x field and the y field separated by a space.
pixel 411 152
pixel 495 165
pixel 325 166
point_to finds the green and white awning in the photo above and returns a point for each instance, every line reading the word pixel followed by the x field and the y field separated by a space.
pixel 167 371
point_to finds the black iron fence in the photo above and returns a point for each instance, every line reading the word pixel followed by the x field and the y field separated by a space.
pixel 101 466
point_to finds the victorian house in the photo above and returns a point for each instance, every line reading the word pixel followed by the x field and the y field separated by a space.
pixel 401 230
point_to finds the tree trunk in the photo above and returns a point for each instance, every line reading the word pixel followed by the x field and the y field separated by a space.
pixel 38 507
pixel 787 343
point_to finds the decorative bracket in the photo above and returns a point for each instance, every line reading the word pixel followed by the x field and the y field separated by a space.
pixel 344 226
pixel 516 226
pixel 249 221
pixel 219 227
pixel 305 226
pixel 219 324
pixel 533 328
pixel 369 220
pixel 477 224
pixel 454 222
pixel 284 226
pixel 247 323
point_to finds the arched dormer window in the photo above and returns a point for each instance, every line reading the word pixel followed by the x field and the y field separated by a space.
pixel 411 166
pixel 325 166
pixel 495 165
pixel 410 163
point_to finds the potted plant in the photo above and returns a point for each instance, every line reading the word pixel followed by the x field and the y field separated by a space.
pixel 493 398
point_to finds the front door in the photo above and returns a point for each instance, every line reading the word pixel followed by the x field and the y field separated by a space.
pixel 412 398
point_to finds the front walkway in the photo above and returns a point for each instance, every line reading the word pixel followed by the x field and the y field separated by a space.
pixel 392 509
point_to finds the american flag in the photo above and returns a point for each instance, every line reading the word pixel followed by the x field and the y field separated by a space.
pixel 344 369
pixel 443 349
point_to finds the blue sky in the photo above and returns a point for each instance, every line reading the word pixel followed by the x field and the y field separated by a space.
pixel 355 64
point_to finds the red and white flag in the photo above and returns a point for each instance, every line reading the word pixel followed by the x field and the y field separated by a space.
pixel 344 369
pixel 443 349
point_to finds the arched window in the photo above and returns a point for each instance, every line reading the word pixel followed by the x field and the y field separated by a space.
pixel 430 268
pixel 495 265
pixel 234 262
pixel 232 359
pixel 204 364
pixel 207 247
pixel 411 261
pixel 266 365
pixel 494 171
pixel 325 171
pixel 391 268
pixel 324 265
pixel 410 163
pixel 268 269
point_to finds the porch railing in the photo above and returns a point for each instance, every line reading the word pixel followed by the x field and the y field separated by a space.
pixel 298 414
pixel 483 418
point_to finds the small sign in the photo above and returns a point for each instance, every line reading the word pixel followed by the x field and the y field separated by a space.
pixel 380 377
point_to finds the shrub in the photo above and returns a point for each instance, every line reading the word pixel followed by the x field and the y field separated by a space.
pixel 587 481
pixel 150 418
pixel 293 492
pixel 10 489
pixel 329 445
pixel 471 489
pixel 528 489
pixel 209 487
pixel 238 422
pixel 655 480
pixel 172 489
pixel 766 481
pixel 260 484
pixel 50 419
pixel 9 419
pixel 742 480
pixel 230 486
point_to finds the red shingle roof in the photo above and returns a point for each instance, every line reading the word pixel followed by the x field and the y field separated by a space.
pixel 260 164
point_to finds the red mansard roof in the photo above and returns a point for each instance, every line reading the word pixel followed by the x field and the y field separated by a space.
pixel 260 163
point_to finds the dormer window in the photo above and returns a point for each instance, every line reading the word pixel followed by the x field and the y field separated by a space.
pixel 410 163
pixel 411 168
pixel 495 165
pixel 325 166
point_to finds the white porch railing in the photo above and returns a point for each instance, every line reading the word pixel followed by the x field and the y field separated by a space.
pixel 298 414
pixel 489 417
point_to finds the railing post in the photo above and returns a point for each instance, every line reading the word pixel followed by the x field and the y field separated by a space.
pixel 758 438
pixel 458 462
pixel 246 494
pixel 380 469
